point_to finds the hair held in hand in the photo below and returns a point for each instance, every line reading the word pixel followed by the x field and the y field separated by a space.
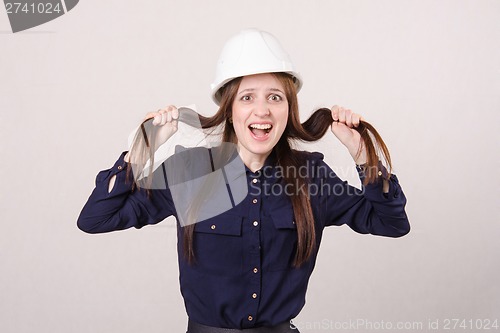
pixel 284 156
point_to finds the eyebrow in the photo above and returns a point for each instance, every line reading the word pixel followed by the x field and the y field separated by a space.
pixel 252 89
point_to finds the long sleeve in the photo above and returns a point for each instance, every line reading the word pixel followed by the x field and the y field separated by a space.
pixel 368 210
pixel 123 207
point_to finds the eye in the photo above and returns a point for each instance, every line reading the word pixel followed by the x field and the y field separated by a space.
pixel 275 98
pixel 246 98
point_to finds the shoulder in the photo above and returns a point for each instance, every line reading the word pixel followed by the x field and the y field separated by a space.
pixel 314 162
pixel 305 156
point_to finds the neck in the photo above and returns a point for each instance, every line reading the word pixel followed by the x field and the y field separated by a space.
pixel 253 161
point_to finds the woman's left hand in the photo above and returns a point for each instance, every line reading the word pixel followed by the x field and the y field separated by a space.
pixel 344 122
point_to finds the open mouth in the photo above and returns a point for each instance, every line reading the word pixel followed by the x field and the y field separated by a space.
pixel 260 131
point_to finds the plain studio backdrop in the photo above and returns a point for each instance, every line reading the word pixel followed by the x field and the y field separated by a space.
pixel 426 74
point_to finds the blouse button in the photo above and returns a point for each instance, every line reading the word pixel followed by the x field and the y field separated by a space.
pixel 254 181
pixel 254 295
pixel 254 201
pixel 255 270
pixel 250 318
pixel 380 173
pixel 212 226
pixel 255 223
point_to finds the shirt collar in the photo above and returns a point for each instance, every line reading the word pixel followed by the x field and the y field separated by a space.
pixel 268 172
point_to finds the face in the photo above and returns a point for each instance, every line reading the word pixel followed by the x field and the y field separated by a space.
pixel 260 114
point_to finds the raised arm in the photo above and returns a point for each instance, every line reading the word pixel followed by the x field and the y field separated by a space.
pixel 379 207
pixel 113 204
pixel 122 207
pixel 369 210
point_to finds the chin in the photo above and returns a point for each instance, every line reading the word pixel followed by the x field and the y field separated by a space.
pixel 259 149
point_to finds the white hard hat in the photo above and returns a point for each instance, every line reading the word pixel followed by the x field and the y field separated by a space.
pixel 251 52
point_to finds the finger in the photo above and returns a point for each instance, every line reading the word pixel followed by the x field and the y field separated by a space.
pixel 335 113
pixel 169 110
pixel 157 119
pixel 164 118
pixel 154 116
pixel 341 115
pixel 348 117
pixel 149 115
pixel 175 113
pixel 356 118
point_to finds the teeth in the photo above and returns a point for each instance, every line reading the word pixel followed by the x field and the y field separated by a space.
pixel 261 126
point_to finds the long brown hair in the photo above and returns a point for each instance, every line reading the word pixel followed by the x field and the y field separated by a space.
pixel 312 129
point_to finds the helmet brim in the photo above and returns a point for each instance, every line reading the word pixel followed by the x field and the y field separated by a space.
pixel 217 89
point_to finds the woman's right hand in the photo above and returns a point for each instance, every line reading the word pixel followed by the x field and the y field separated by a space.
pixel 166 120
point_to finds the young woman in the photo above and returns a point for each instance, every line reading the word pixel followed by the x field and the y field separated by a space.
pixel 247 268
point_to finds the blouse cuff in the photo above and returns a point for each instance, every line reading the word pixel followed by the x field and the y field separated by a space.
pixel 374 191
pixel 119 169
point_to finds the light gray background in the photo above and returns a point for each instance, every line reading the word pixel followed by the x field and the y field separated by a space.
pixel 425 73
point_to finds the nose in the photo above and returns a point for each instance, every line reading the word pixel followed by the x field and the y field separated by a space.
pixel 262 109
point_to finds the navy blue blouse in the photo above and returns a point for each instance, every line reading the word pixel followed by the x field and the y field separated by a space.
pixel 243 274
